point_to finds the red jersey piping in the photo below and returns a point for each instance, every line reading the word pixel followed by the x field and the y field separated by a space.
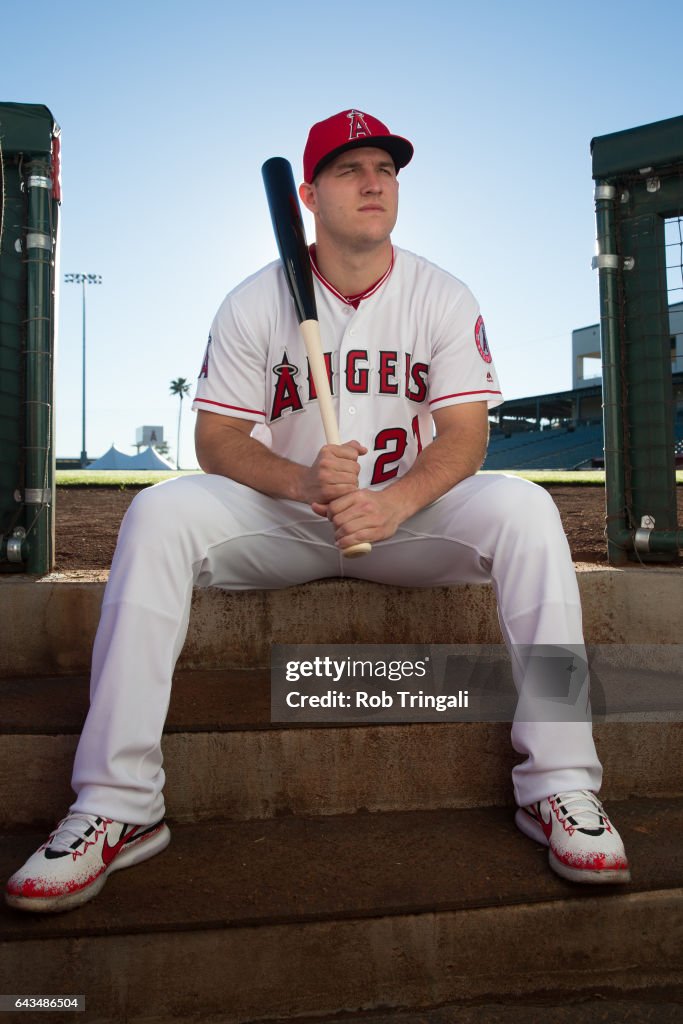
pixel 351 300
pixel 235 408
pixel 463 394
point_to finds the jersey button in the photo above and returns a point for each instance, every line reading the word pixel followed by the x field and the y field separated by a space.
pixel 352 410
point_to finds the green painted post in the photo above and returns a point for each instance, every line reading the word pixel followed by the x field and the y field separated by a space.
pixel 639 175
pixel 30 171
pixel 39 474
pixel 607 263
pixel 647 345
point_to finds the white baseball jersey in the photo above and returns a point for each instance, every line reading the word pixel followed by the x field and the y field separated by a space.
pixel 415 344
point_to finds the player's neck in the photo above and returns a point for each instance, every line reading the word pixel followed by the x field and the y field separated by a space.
pixel 352 272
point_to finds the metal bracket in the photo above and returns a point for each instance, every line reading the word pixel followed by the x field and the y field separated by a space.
pixel 39 181
pixel 604 192
pixel 641 538
pixel 606 262
pixel 15 544
pixel 35 240
pixel 38 496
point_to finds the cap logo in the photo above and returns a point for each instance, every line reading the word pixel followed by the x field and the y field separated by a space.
pixel 358 129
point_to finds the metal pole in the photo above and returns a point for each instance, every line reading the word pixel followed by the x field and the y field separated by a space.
pixel 647 356
pixel 38 490
pixel 83 280
pixel 607 264
pixel 84 451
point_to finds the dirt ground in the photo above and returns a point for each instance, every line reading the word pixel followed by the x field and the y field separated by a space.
pixel 88 519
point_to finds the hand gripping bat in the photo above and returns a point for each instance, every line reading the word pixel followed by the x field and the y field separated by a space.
pixel 290 236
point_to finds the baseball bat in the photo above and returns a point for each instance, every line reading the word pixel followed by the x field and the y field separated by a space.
pixel 290 236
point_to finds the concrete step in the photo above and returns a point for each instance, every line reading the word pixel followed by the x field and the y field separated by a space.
pixel 224 758
pixel 49 623
pixel 295 916
pixel 653 1007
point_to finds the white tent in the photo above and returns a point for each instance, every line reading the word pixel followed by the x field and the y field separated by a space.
pixel 148 458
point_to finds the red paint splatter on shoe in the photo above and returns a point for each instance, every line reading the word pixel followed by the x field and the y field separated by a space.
pixel 37 888
pixel 592 862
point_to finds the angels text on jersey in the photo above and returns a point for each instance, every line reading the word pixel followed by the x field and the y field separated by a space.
pixel 390 375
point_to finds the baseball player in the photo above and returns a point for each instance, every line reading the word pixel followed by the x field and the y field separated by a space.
pixel 412 378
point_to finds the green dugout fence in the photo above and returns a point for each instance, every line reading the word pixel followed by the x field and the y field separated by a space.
pixel 29 160
pixel 639 213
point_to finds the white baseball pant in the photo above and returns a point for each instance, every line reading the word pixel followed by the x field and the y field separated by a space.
pixel 207 530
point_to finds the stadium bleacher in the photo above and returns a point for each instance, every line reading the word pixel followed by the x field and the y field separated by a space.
pixel 557 448
pixel 567 448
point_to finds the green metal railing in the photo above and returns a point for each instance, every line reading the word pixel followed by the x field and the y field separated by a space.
pixel 28 245
pixel 39 471
pixel 639 184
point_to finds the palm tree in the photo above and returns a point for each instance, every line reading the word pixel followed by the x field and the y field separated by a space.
pixel 179 387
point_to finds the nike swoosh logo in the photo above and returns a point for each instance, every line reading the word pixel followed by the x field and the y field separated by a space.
pixel 547 826
pixel 110 852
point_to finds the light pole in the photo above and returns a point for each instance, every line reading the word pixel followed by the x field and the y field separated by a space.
pixel 83 279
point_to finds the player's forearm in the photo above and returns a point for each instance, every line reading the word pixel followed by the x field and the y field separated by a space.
pixel 225 447
pixel 244 459
pixel 449 459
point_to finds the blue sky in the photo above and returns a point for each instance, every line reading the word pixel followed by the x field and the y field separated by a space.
pixel 168 110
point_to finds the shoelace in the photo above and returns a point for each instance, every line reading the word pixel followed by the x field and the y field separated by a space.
pixel 72 828
pixel 583 807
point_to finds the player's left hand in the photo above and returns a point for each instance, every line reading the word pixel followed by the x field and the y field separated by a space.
pixel 362 515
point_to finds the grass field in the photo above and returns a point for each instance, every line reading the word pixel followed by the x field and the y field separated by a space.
pixel 115 477
pixel 142 478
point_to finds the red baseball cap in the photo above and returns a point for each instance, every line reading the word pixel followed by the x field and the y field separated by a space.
pixel 345 130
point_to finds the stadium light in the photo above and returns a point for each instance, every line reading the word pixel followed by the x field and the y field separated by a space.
pixel 83 279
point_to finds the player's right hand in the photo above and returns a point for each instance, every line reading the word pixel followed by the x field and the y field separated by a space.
pixel 334 473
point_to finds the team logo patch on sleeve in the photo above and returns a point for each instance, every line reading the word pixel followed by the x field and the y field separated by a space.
pixel 204 372
pixel 482 340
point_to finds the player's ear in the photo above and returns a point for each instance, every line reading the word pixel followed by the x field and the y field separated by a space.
pixel 307 196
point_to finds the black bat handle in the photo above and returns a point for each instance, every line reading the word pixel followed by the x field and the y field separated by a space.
pixel 290 236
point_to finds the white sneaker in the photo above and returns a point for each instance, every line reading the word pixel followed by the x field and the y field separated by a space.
pixel 584 845
pixel 73 865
